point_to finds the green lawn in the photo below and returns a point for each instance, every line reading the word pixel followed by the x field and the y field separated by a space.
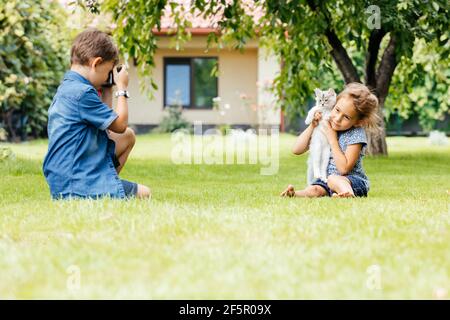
pixel 221 231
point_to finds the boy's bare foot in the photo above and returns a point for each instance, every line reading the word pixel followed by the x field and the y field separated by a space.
pixel 346 194
pixel 289 192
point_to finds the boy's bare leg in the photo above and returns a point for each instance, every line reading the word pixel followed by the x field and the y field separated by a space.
pixel 124 144
pixel 309 192
pixel 341 186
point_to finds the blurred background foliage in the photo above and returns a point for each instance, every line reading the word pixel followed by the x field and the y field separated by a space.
pixel 35 39
pixel 33 57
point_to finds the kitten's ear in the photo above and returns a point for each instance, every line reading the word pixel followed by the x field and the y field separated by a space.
pixel 317 92
pixel 331 91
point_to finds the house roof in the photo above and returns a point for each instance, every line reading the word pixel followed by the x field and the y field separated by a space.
pixel 193 31
pixel 201 25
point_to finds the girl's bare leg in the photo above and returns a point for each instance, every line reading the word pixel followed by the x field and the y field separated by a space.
pixel 124 144
pixel 309 192
pixel 341 186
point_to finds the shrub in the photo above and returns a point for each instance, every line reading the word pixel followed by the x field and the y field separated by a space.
pixel 173 120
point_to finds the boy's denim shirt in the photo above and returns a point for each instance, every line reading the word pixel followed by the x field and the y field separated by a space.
pixel 79 161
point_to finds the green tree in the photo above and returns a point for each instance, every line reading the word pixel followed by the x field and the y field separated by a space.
pixel 33 57
pixel 421 85
pixel 367 40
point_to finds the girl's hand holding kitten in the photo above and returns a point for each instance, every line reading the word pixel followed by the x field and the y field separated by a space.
pixel 317 118
pixel 329 132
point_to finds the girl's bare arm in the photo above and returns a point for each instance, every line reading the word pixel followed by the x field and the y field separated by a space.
pixel 302 143
pixel 345 161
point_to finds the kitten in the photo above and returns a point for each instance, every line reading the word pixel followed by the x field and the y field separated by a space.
pixel 319 147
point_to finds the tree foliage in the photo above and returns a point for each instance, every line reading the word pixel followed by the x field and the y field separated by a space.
pixel 373 42
pixel 421 85
pixel 33 57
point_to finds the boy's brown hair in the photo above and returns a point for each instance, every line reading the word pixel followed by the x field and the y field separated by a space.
pixel 365 103
pixel 93 43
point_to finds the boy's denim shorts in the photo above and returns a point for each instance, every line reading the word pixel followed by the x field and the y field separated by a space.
pixel 130 188
pixel 358 185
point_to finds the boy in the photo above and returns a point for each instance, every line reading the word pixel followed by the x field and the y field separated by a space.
pixel 89 143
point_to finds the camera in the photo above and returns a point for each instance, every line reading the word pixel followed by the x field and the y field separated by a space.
pixel 110 81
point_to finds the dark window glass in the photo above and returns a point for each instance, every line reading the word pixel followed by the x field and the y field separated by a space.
pixel 205 85
pixel 188 81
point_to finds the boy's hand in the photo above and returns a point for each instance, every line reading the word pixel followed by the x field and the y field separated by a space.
pixel 122 78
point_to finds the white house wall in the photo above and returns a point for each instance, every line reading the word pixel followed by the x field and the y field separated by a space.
pixel 268 68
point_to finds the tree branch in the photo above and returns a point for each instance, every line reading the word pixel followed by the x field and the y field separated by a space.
pixel 338 52
pixel 341 58
pixel 386 69
pixel 372 55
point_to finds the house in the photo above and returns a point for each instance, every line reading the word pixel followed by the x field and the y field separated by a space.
pixel 239 96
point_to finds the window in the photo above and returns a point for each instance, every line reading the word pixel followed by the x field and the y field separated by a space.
pixel 188 81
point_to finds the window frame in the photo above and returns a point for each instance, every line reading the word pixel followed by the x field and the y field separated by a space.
pixel 190 62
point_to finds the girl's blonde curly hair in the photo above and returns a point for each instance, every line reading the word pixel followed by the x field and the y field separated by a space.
pixel 365 103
